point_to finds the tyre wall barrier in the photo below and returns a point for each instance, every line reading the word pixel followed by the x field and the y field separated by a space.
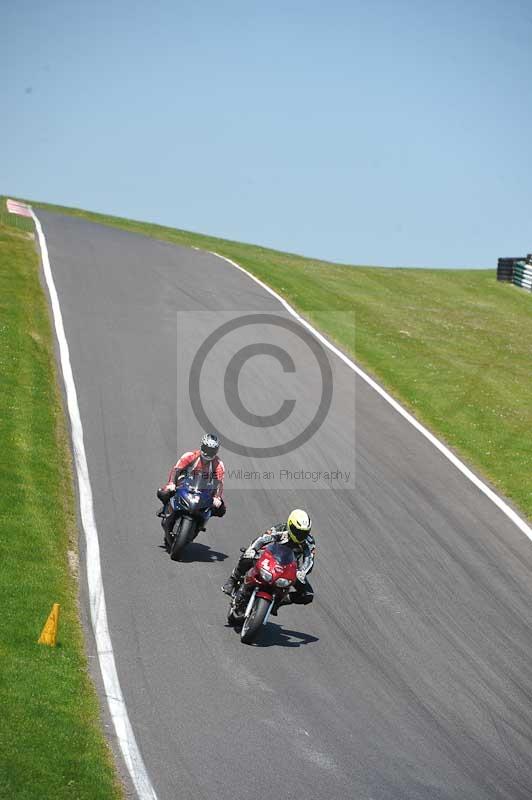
pixel 517 270
pixel 523 275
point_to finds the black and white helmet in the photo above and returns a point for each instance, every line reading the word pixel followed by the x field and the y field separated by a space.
pixel 209 446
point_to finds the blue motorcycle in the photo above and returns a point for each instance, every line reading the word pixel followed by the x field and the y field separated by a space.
pixel 191 507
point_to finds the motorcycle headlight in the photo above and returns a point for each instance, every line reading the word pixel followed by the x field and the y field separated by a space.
pixel 282 582
pixel 267 576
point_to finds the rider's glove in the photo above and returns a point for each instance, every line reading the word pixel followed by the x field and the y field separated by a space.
pixel 166 493
pixel 301 576
pixel 250 553
pixel 217 502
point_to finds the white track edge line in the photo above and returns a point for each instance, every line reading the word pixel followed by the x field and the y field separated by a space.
pixel 469 474
pixel 113 692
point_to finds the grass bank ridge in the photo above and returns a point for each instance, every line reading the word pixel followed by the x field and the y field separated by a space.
pixel 453 346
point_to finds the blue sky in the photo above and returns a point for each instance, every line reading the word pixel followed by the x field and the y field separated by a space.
pixel 394 133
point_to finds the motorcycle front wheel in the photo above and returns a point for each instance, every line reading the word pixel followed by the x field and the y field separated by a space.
pixel 184 533
pixel 254 622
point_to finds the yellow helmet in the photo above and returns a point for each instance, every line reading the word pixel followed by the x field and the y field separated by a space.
pixel 299 525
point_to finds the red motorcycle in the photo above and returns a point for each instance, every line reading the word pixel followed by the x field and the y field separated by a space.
pixel 269 580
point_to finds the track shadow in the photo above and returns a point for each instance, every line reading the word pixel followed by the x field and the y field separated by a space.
pixel 276 636
pixel 198 552
pixel 195 551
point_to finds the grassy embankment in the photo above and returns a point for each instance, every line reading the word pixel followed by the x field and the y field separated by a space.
pixel 51 741
pixel 454 346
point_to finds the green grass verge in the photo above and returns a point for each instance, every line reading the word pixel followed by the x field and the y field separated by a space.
pixel 454 346
pixel 51 740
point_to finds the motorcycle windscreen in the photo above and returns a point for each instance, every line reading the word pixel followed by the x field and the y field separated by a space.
pixel 283 554
pixel 199 482
pixel 199 486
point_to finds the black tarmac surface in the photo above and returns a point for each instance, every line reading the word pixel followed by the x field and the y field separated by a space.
pixel 410 675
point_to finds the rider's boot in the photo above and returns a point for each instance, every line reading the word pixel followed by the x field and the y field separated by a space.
pixel 232 581
pixel 242 597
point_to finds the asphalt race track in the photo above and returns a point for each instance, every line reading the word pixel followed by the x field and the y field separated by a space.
pixel 410 675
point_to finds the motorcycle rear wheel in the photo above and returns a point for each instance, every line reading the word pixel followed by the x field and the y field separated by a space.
pixel 184 533
pixel 255 621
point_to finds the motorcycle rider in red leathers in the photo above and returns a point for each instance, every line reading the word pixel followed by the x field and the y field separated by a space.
pixel 295 533
pixel 204 460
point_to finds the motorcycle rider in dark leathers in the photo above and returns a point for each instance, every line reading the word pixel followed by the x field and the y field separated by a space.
pixel 295 533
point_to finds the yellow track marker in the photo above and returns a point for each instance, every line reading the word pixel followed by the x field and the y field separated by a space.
pixel 49 632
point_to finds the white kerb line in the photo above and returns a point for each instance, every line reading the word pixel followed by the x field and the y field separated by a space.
pixel 498 501
pixel 104 647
